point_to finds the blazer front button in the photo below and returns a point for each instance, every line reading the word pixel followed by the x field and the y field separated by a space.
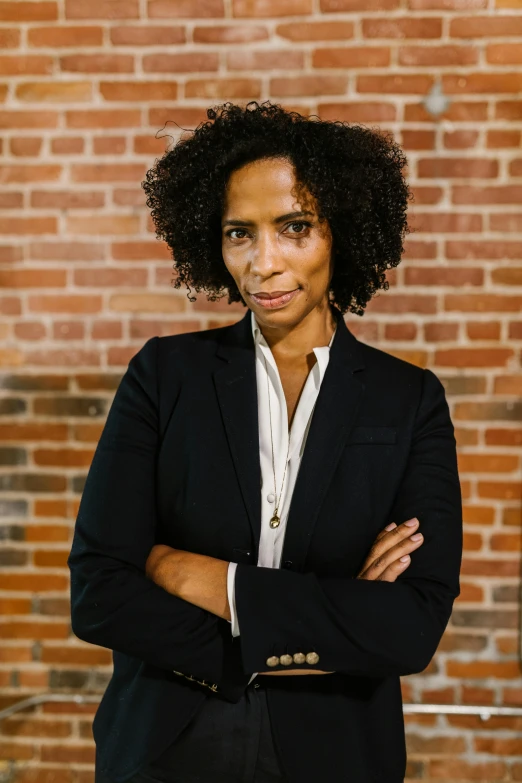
pixel 299 658
pixel 286 660
pixel 312 657
pixel 272 661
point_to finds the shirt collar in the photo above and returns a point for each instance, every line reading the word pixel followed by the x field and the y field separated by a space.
pixel 259 338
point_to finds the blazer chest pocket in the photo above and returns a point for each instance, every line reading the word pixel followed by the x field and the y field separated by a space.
pixel 372 435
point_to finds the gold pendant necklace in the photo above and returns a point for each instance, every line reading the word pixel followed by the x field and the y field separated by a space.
pixel 275 520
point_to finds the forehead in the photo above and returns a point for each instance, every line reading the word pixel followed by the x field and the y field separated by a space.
pixel 263 187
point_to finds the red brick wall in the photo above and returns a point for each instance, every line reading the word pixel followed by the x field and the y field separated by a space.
pixel 85 87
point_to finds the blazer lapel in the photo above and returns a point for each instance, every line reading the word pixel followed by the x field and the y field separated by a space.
pixel 333 416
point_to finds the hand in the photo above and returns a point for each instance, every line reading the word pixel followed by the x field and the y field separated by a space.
pixel 384 563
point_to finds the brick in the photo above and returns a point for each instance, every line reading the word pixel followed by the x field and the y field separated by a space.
pixel 498 139
pixel 457 167
pixel 480 669
pixel 107 172
pixel 55 37
pixel 504 437
pixel 271 8
pixel 110 277
pixel 67 145
pixel 399 83
pixel 30 173
pixel 316 31
pixel 482 249
pixel 489 410
pixel 128 35
pixel 445 5
pixel 483 330
pixel 33 278
pixel 499 490
pixel 11 200
pixel 186 117
pixel 358 111
pixel 71 303
pixel 443 276
pixel 309 85
pixel 358 5
pixel 9 38
pixel 66 357
pixel 403 27
pixel 25 147
pixel 104 224
pixel 28 11
pixel 461 139
pixel 109 145
pixel 66 251
pixel 223 88
pixel 414 56
pixel 454 84
pixel 485 26
pixel 139 91
pixel 102 9
pixel 508 110
pixel 492 771
pixel 402 303
pixel 264 60
pixel 473 357
pixel 21 64
pixel 515 167
pixel 420 140
pixel 133 303
pixel 508 384
pixel 351 57
pixel 28 225
pixel 440 332
pixel 478 515
pixel 67 199
pixel 97 63
pixel 140 251
pixel 165 62
pixel 54 92
pixel 228 34
pixel 504 54
pixel 463 111
pixel 490 194
pixel 103 118
pixel 488 463
pixel 506 542
pixel 507 276
pixel 198 9
pixel 445 222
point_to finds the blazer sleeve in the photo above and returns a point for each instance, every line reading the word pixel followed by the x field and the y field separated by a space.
pixel 361 627
pixel 113 603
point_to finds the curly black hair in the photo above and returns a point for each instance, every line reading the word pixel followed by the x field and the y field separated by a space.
pixel 354 173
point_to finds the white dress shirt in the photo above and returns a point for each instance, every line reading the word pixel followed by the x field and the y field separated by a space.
pixel 271 539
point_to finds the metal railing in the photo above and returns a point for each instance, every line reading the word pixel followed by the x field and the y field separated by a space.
pixel 485 712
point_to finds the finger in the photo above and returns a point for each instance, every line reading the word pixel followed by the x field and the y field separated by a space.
pixel 394 570
pixel 376 566
pixel 388 537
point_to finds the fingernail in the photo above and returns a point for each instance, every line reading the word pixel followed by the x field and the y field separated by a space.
pixel 411 522
pixel 405 558
pixel 390 526
pixel 416 537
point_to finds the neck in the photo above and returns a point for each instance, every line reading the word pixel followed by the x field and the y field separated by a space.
pixel 293 343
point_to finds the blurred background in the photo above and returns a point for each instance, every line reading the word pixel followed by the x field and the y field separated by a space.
pixel 92 92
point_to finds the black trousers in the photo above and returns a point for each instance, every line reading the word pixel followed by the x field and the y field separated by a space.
pixel 223 743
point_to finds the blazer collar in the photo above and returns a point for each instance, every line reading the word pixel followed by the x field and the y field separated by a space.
pixel 334 415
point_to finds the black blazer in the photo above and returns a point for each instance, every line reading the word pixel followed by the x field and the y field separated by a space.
pixel 178 463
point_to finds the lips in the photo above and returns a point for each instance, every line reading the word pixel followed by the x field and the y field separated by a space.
pixel 272 294
pixel 273 301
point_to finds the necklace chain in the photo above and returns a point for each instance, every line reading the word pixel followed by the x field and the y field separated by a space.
pixel 275 521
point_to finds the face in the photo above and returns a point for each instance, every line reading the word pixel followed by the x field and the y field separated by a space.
pixel 273 243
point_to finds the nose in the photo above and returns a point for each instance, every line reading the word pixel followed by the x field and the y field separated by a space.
pixel 266 258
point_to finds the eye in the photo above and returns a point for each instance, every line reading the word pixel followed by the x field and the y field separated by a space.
pixel 304 223
pixel 232 230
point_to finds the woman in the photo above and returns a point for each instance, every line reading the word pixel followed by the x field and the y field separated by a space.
pixel 258 490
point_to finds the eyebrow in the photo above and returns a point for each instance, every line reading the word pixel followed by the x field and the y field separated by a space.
pixel 280 219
